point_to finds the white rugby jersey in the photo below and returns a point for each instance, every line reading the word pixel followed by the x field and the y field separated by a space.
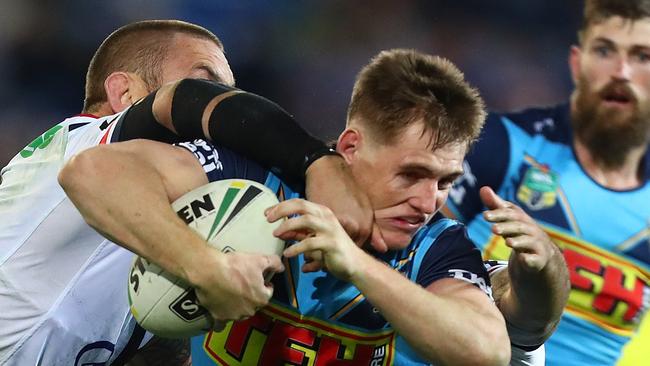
pixel 63 298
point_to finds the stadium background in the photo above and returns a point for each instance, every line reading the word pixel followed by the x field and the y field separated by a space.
pixel 302 54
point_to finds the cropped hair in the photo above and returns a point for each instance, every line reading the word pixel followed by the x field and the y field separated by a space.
pixel 402 87
pixel 597 11
pixel 140 48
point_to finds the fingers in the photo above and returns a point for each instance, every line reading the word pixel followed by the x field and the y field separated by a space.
pixel 511 228
pixel 300 225
pixel 306 245
pixel 521 244
pixel 491 200
pixel 289 207
pixel 312 266
pixel 377 240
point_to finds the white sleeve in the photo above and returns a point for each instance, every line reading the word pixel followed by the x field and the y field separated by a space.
pixel 520 357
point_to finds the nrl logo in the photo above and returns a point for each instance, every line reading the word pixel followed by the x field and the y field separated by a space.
pixel 538 188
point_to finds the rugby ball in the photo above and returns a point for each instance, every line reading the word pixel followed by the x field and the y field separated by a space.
pixel 229 214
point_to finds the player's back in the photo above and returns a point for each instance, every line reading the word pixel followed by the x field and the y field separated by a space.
pixel 55 270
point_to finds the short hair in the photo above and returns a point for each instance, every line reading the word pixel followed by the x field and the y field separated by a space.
pixel 597 11
pixel 400 87
pixel 140 48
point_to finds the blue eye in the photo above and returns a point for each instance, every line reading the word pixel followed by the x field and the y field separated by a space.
pixel 602 51
pixel 643 57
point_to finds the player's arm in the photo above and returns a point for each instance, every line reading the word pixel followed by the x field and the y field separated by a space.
pixel 449 322
pixel 259 130
pixel 123 190
pixel 532 293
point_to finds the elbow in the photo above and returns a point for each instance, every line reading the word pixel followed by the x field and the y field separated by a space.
pixel 493 350
pixel 491 347
pixel 82 171
pixel 77 167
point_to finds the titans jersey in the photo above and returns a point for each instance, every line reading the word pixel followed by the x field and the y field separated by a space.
pixel 604 234
pixel 62 285
pixel 315 319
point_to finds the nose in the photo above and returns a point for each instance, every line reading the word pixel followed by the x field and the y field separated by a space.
pixel 425 199
pixel 623 69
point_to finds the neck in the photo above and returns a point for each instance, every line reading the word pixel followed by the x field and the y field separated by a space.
pixel 102 110
pixel 626 176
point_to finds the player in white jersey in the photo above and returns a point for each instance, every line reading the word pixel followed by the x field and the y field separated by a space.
pixel 62 285
pixel 56 270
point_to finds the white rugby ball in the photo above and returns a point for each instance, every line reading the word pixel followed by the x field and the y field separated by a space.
pixel 229 214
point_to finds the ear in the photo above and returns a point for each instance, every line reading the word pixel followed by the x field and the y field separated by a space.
pixel 575 54
pixel 348 144
pixel 118 87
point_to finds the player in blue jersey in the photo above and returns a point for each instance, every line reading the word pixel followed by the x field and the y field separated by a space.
pixel 419 298
pixel 581 170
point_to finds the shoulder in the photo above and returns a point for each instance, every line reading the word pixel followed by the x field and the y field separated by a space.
pixel 551 122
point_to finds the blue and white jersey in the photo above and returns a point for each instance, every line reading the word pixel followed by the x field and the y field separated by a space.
pixel 527 158
pixel 315 319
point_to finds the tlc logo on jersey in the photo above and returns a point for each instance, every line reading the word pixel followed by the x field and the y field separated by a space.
pixel 275 336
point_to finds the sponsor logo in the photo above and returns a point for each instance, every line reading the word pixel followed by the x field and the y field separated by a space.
pixel 187 307
pixel 607 290
pixel 276 336
pixel 537 189
pixel 196 209
pixel 41 142
pixel 458 191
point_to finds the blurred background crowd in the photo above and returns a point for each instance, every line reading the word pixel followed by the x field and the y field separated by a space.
pixel 302 54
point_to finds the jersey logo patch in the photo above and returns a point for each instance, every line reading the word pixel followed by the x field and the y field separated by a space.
pixel 277 336
pixel 538 188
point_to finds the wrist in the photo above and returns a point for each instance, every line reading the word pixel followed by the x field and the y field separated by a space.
pixel 199 265
pixel 359 276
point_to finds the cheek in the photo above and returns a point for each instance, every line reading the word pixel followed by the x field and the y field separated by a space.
pixel 595 75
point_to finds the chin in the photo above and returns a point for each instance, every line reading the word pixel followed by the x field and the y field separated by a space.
pixel 397 241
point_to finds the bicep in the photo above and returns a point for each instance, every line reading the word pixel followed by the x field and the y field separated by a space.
pixel 466 293
pixel 179 170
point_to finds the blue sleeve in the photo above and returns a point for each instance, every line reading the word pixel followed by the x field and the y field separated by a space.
pixel 220 163
pixel 486 164
pixel 454 255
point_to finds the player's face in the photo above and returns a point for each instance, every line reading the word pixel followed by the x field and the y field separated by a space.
pixel 191 57
pixel 407 182
pixel 612 75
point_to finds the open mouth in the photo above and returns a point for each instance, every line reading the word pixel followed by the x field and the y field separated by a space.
pixel 408 223
pixel 618 95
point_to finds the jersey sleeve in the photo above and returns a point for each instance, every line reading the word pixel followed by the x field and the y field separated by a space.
pixel 220 163
pixel 454 255
pixel 486 164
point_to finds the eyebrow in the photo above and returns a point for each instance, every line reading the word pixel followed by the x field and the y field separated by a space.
pixel 633 47
pixel 426 170
pixel 213 75
pixel 607 41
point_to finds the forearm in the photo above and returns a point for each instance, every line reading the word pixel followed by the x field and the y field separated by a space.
pixel 131 210
pixel 533 301
pixel 440 328
pixel 243 122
